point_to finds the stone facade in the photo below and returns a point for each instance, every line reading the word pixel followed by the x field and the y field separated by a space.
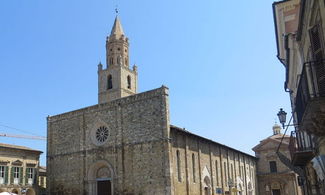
pixel 126 145
pixel 202 166
pixel 19 169
pixel 136 152
pixel 280 180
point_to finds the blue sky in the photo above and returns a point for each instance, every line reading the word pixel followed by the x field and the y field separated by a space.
pixel 218 59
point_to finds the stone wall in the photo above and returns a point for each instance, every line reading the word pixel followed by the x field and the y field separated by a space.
pixel 136 152
pixel 214 166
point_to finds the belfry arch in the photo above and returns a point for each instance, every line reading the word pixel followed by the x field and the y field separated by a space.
pixel 100 178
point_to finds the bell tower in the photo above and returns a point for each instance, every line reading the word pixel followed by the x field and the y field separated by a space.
pixel 116 80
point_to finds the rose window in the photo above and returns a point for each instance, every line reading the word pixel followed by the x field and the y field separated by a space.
pixel 102 134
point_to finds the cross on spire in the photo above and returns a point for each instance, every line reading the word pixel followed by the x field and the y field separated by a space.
pixel 116 10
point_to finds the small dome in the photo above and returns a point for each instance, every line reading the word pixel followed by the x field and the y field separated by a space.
pixel 276 129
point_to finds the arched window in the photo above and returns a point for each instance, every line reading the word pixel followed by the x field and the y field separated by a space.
pixel 178 163
pixel 193 166
pixel 111 61
pixel 129 81
pixel 243 172
pixel 217 173
pixel 119 60
pixel 226 175
pixel 232 171
pixel 109 82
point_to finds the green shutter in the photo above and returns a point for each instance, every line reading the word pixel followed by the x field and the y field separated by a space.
pixel 6 174
pixel 26 176
pixel 35 178
pixel 21 177
pixel 12 175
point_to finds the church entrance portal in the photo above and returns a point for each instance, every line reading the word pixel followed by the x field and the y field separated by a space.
pixel 104 187
pixel 100 178
pixel 276 192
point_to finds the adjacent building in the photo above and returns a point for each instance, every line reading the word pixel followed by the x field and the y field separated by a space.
pixel 19 169
pixel 125 144
pixel 42 180
pixel 274 177
pixel 300 27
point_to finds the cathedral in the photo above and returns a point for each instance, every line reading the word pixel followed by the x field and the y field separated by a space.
pixel 125 144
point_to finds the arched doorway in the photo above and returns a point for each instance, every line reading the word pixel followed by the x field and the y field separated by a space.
pixel 240 189
pixel 30 192
pixel 276 188
pixel 103 180
pixel 100 178
pixel 207 185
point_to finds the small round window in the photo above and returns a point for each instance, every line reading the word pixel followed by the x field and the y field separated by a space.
pixel 101 134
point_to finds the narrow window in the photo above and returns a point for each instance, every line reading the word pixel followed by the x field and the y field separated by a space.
pixel 217 173
pixel 129 81
pixel 226 175
pixel 119 60
pixel 109 82
pixel 232 171
pixel 178 166
pixel 243 173
pixel 30 173
pixel 273 168
pixel 111 61
pixel 126 61
pixel 16 172
pixel 193 166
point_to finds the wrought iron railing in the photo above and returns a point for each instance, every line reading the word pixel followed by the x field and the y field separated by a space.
pixel 311 85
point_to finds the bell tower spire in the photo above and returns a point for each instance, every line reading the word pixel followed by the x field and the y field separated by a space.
pixel 117 80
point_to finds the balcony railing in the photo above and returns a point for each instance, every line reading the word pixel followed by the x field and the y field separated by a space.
pixel 301 148
pixel 311 86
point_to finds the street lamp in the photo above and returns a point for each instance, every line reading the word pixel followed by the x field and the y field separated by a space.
pixel 282 117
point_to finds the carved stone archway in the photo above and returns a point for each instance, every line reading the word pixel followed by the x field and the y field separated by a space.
pixel 30 192
pixel 99 171
pixel 15 191
pixel 207 186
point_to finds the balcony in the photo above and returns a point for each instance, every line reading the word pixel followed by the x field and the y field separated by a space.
pixel 310 98
pixel 301 148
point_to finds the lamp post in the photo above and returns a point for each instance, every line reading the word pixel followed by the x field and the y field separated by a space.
pixel 282 117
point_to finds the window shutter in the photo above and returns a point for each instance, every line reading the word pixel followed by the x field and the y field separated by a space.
pixel 318 53
pixel 26 176
pixel 12 175
pixel 21 177
pixel 316 42
pixel 35 178
pixel 6 174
